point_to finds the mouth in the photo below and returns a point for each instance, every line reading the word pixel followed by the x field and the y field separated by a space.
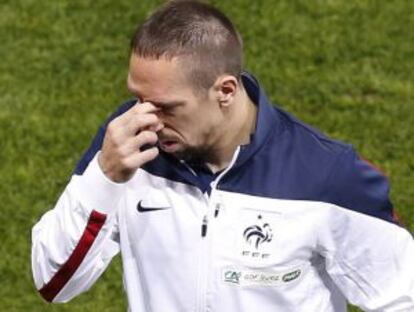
pixel 169 146
pixel 169 140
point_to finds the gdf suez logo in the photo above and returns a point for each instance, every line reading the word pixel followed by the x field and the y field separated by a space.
pixel 256 235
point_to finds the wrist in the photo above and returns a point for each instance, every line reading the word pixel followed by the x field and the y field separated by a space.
pixel 110 170
pixel 96 191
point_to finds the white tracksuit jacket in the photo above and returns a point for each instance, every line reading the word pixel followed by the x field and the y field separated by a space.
pixel 297 222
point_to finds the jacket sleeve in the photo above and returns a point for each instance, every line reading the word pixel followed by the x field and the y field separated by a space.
pixel 74 242
pixel 369 256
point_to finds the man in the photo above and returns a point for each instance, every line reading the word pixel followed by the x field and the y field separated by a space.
pixel 217 200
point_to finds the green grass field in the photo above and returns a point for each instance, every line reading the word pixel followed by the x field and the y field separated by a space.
pixel 346 67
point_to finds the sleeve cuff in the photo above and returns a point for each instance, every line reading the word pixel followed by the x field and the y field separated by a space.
pixel 96 191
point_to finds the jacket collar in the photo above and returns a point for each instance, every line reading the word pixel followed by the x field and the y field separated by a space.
pixel 268 119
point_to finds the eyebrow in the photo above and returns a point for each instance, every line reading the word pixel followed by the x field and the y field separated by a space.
pixel 135 92
pixel 160 103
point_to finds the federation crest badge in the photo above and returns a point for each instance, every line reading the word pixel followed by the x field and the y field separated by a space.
pixel 255 236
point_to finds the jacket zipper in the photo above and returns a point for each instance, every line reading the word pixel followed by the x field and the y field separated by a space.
pixel 213 209
pixel 204 226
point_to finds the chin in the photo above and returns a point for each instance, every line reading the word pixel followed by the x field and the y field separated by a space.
pixel 193 155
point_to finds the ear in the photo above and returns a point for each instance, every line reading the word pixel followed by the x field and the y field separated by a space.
pixel 226 87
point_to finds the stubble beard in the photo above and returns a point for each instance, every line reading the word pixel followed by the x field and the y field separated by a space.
pixel 195 156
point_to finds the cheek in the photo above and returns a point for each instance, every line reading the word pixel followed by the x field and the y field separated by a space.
pixel 204 130
pixel 196 125
pixel 191 130
pixel 184 126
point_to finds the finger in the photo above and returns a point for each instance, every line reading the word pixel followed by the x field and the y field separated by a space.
pixel 156 128
pixel 135 144
pixel 145 138
pixel 136 160
pixel 143 108
pixel 142 122
pixel 138 108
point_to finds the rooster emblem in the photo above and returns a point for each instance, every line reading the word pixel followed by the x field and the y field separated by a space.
pixel 257 235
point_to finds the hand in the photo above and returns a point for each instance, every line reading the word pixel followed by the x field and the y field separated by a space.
pixel 125 136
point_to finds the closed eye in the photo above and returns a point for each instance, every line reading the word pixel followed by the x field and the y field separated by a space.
pixel 168 108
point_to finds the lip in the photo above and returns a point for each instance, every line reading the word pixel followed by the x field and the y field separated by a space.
pixel 168 140
pixel 169 146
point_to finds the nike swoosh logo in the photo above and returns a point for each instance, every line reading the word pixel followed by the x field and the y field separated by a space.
pixel 141 208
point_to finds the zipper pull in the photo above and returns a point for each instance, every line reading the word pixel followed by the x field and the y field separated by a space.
pixel 216 210
pixel 204 227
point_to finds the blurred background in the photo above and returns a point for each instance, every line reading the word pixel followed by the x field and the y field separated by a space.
pixel 346 67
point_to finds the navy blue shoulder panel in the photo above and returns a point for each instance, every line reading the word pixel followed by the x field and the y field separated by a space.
pixel 300 163
pixel 357 185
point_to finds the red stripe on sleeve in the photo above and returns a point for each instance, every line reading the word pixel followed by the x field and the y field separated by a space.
pixel 59 280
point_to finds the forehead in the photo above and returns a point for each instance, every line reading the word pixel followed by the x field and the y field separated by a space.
pixel 151 78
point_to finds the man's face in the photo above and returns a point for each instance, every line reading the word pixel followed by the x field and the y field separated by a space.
pixel 191 120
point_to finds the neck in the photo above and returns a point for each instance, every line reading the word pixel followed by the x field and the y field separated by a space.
pixel 236 131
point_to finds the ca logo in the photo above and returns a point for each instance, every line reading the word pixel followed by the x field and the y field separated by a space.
pixel 232 277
